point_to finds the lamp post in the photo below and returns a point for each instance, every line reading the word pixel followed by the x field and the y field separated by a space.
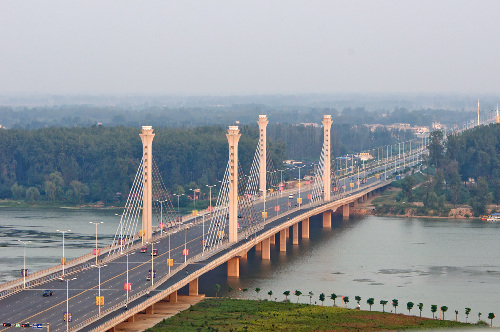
pixel 121 231
pixel 194 197
pixel 67 303
pixel 282 187
pixel 169 252
pixel 300 200
pixel 178 209
pixel 63 261
pixel 99 292
pixel 161 216
pixel 127 288
pixel 24 266
pixel 210 196
pixel 185 242
pixel 96 252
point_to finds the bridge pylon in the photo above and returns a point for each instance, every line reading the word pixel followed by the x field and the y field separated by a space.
pixel 147 171
pixel 233 136
pixel 327 181
pixel 263 154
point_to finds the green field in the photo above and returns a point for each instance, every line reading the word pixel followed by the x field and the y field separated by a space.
pixel 223 314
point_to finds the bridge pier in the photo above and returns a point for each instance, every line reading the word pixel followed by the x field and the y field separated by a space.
pixel 150 310
pixel 131 319
pixel 295 229
pixel 283 240
pixel 258 246
pixel 272 238
pixel 233 267
pixel 345 211
pixel 287 232
pixel 193 287
pixel 266 248
pixel 327 219
pixel 172 298
pixel 305 228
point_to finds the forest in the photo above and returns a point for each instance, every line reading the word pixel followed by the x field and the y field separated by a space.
pixel 95 163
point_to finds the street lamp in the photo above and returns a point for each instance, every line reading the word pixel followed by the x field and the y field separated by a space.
pixel 126 288
pixel 99 293
pixel 161 216
pixel 121 231
pixel 63 260
pixel 300 201
pixel 281 187
pixel 96 252
pixel 210 197
pixel 194 197
pixel 178 209
pixel 24 266
pixel 67 303
pixel 185 241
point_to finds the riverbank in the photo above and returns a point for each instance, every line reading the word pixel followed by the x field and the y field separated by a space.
pixel 224 314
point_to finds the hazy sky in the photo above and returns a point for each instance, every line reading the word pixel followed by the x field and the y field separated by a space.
pixel 249 47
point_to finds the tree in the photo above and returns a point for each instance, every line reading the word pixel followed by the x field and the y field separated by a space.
pixel 244 291
pixel 77 191
pixel 357 298
pixel 490 317
pixel 286 293
pixel 32 194
pixel 436 148
pixel 217 289
pixel 310 297
pixel 444 309
pixel 257 290
pixel 270 293
pixel 479 316
pixel 395 304
pixel 333 296
pixel 50 190
pixel 407 187
pixel 370 302
pixel 298 294
pixel 467 312
pixel 481 196
pixel 346 300
pixel 229 290
pixel 420 307
pixel 409 306
pixel 434 308
pixel 456 315
pixel 322 298
pixel 383 303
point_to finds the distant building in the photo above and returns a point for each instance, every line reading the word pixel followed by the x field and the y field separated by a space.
pixel 437 126
pixel 309 124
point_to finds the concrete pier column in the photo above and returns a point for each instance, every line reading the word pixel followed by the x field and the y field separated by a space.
pixel 131 319
pixel 295 238
pixel 262 122
pixel 172 298
pixel 266 248
pixel 327 181
pixel 258 246
pixel 287 232
pixel 345 211
pixel 272 238
pixel 233 137
pixel 147 172
pixel 327 219
pixel 233 267
pixel 305 228
pixel 283 240
pixel 193 287
pixel 150 310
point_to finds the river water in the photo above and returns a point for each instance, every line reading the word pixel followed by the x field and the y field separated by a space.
pixel 433 261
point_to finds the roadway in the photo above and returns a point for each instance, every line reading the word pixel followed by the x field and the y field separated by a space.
pixel 28 306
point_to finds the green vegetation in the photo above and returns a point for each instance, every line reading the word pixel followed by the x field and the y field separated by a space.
pixel 241 315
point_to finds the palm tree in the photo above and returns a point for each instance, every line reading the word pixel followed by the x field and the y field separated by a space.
pixel 286 293
pixel 298 294
pixel 244 290
pixel 456 315
pixel 383 303
pixel 257 290
pixel 357 298
pixel 409 306
pixel 270 293
pixel 370 302
pixel 217 289
pixel 322 298
pixel 333 296
pixel 467 312
pixel 490 317
pixel 420 307
pixel 395 304
pixel 229 290
pixel 310 297
pixel 444 309
pixel 346 300
pixel 434 308
pixel 479 316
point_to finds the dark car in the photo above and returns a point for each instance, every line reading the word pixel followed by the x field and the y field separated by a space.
pixel 47 292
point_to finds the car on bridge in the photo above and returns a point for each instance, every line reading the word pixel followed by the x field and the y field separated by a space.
pixel 47 292
pixel 144 249
pixel 154 252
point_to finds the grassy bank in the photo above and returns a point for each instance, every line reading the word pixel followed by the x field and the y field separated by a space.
pixel 222 314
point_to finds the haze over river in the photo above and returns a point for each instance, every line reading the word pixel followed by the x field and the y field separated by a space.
pixel 433 261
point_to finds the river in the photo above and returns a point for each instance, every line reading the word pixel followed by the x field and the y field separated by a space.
pixel 433 261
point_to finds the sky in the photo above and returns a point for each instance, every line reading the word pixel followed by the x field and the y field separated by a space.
pixel 252 47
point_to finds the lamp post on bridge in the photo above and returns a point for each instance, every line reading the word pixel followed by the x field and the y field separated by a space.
pixel 282 186
pixel 194 197
pixel 121 231
pixel 210 197
pixel 67 303
pixel 24 265
pixel 63 259
pixel 178 209
pixel 96 250
pixel 161 216
pixel 127 288
pixel 300 200
pixel 99 292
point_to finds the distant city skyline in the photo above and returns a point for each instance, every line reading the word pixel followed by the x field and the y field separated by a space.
pixel 249 47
